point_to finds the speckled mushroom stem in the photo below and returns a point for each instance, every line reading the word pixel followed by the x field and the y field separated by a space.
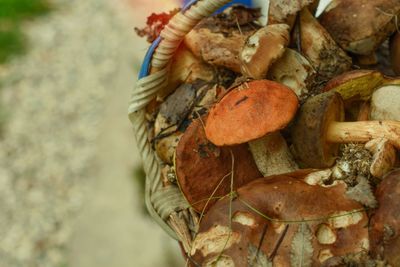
pixel 272 156
pixel 364 131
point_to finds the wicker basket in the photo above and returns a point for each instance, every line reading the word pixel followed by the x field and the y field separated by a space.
pixel 166 204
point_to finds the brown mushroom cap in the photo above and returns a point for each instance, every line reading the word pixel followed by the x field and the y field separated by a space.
pixel 251 111
pixel 355 85
pixel 360 26
pixel 308 133
pixel 284 198
pixel 395 53
pixel 200 166
pixel 385 221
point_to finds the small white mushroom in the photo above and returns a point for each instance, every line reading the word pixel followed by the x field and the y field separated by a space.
pixel 384 158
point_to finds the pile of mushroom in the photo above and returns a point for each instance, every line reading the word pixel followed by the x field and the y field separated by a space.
pixel 280 140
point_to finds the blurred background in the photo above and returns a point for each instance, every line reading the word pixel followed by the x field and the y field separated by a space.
pixel 71 185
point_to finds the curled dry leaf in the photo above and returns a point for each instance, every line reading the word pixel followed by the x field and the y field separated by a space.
pixel 385 221
pixel 327 58
pixel 262 49
pixel 175 109
pixel 350 24
pixel 175 115
pixel 285 198
pixel 155 24
pixel 200 166
pixel 294 71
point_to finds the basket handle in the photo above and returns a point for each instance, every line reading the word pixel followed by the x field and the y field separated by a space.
pixel 162 202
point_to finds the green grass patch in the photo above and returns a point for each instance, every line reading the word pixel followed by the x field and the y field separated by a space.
pixel 139 179
pixel 12 14
pixel 17 10
pixel 11 43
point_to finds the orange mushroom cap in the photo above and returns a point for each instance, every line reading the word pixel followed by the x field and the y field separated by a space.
pixel 251 111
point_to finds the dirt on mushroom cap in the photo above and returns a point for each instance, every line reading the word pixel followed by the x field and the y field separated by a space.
pixel 250 111
pixel 286 199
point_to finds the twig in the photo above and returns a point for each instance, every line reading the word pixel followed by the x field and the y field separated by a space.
pixel 278 244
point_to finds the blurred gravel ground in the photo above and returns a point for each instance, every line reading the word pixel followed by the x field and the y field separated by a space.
pixel 54 99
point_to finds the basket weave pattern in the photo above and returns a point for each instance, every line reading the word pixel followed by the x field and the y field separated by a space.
pixel 166 205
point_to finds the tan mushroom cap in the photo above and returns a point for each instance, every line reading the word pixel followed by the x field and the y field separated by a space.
pixel 282 197
pixel 200 166
pixel 251 111
pixel 263 48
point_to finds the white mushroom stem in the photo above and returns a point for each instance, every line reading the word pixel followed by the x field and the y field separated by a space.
pixel 272 155
pixel 364 131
